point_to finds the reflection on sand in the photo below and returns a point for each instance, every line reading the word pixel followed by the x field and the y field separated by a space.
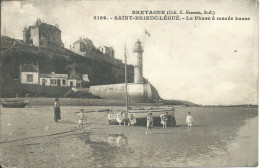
pixel 98 139
pixel 118 139
pixel 105 150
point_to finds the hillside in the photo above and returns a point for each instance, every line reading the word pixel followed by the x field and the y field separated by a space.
pixel 178 103
pixel 16 52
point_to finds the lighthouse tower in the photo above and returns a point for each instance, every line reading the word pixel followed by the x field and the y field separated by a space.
pixel 138 66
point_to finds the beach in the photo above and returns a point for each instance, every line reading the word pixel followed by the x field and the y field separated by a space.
pixel 221 136
pixel 44 101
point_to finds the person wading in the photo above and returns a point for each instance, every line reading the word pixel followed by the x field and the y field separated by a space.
pixel 56 110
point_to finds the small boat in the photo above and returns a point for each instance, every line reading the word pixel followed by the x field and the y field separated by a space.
pixel 141 116
pixel 14 103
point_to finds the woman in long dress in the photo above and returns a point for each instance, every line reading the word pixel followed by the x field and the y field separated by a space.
pixel 56 110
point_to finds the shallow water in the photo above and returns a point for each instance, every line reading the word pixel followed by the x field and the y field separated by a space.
pixel 29 138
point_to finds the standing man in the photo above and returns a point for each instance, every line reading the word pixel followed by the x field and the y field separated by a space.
pixel 56 110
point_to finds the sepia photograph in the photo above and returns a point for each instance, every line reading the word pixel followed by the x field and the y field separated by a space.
pixel 95 83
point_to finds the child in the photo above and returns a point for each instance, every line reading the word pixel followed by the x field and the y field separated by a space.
pixel 121 117
pixel 189 121
pixel 164 119
pixel 81 118
pixel 132 120
pixel 149 123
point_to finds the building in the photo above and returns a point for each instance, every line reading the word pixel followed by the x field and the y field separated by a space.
pixel 85 77
pixel 53 79
pixel 138 65
pixel 43 35
pixel 86 48
pixel 109 51
pixel 29 74
pixel 83 45
pixel 139 91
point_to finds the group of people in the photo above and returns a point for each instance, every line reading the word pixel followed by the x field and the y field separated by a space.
pixel 164 120
pixel 122 117
pixel 81 117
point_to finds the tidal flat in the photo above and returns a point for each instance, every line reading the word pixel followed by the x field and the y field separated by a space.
pixel 221 136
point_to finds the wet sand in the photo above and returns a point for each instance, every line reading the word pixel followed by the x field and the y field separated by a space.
pixel 43 101
pixel 221 136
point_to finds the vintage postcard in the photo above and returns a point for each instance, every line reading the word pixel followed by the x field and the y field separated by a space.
pixel 131 83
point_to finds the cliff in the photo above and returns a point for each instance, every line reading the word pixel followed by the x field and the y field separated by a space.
pixel 16 52
pixel 59 60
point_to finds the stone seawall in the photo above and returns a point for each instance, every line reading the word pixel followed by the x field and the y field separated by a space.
pixel 136 92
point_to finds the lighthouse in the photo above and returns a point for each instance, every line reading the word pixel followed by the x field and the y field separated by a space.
pixel 138 66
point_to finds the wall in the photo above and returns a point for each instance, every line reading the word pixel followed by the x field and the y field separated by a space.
pixel 26 36
pixel 136 92
pixel 24 77
pixel 50 36
pixel 74 82
pixel 76 47
pixel 47 81
pixel 35 36
pixel 61 79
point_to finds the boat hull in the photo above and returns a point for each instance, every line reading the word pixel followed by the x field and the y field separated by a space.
pixel 141 117
pixel 14 104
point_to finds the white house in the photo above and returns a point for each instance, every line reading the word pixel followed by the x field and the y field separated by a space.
pixel 29 74
pixel 53 79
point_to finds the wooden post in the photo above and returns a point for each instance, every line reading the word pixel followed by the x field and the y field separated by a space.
pixel 126 80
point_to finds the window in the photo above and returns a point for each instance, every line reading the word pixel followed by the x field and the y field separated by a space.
pixel 53 81
pixel 44 81
pixel 63 82
pixel 29 78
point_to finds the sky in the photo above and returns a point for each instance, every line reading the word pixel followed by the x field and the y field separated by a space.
pixel 205 62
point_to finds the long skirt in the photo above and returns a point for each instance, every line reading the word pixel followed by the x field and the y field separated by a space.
pixel 57 114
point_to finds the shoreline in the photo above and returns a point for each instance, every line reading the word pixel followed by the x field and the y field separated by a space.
pixel 243 150
pixel 39 101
